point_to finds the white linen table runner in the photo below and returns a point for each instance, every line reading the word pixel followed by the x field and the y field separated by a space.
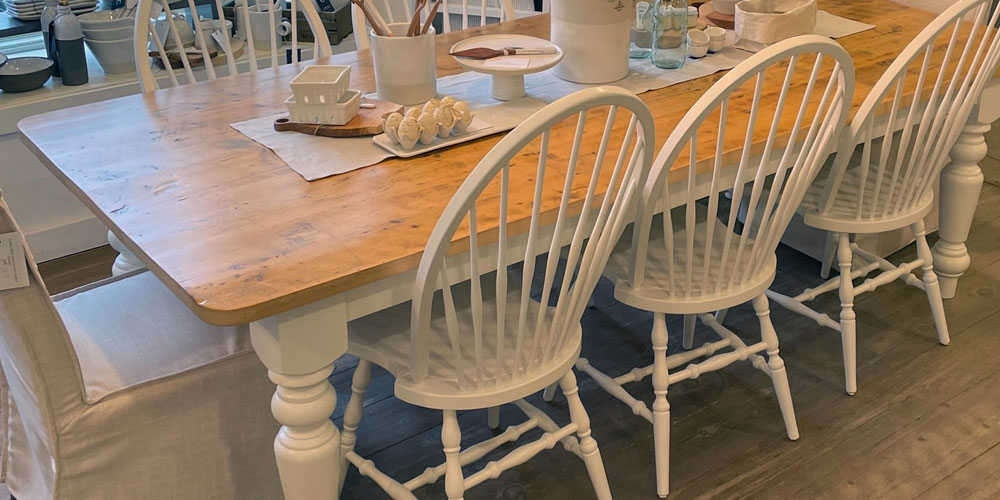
pixel 319 157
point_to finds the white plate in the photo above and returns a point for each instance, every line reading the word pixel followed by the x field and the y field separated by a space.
pixel 23 8
pixel 38 15
pixel 508 81
pixel 73 7
pixel 75 10
pixel 478 128
pixel 500 41
pixel 29 3
pixel 38 8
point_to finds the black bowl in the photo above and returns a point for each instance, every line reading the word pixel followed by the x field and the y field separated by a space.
pixel 22 74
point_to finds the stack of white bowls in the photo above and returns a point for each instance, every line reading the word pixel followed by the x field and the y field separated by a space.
pixel 111 39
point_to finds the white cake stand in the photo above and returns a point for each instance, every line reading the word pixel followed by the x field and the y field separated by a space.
pixel 508 82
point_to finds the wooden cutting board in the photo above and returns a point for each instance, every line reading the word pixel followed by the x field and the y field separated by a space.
pixel 367 122
pixel 715 18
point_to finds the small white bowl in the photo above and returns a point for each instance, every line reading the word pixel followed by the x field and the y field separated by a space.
pixel 716 33
pixel 697 37
pixel 110 34
pixel 716 46
pixel 697 51
pixel 104 19
pixel 117 56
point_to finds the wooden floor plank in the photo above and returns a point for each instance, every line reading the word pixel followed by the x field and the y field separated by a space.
pixel 924 424
pixel 72 271
pixel 728 440
pixel 977 480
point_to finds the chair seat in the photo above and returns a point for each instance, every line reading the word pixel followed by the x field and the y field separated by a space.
pixel 131 329
pixel 384 339
pixel 843 215
pixel 658 294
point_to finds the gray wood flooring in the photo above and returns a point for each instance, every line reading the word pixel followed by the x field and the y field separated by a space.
pixel 924 424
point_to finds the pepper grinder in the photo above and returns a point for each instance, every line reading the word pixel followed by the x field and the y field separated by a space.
pixel 69 53
pixel 47 16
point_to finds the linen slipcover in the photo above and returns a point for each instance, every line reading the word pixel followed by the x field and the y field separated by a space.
pixel 117 391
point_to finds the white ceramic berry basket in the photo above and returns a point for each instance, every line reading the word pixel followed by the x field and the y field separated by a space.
pixel 321 84
pixel 335 113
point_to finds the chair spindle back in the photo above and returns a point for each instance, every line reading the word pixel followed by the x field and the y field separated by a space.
pixel 455 14
pixel 552 194
pixel 766 156
pixel 157 39
pixel 915 112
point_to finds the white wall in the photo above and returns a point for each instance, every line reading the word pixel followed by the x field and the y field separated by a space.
pixel 54 222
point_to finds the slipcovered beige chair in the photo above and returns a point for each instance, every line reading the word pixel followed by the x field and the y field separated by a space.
pixel 117 391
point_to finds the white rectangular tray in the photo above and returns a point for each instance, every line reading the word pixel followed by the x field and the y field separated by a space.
pixel 478 128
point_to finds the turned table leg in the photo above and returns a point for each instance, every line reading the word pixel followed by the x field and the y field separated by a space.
pixel 126 260
pixel 961 182
pixel 299 348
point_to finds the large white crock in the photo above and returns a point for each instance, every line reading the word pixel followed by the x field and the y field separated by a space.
pixel 593 35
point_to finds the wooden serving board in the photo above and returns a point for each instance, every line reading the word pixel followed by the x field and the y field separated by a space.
pixel 709 13
pixel 367 122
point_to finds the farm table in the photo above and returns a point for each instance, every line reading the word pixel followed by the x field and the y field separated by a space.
pixel 240 237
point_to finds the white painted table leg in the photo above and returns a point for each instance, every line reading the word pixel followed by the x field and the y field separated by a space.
pixel 961 182
pixel 126 260
pixel 299 348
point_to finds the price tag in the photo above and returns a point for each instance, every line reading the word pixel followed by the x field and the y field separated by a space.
pixel 219 41
pixel 13 267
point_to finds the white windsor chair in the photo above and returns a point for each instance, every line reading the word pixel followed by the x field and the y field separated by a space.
pixel 888 184
pixel 455 14
pixel 505 334
pixel 695 260
pixel 197 61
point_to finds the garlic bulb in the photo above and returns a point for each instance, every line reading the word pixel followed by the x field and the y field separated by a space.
pixel 413 112
pixel 445 120
pixel 389 126
pixel 436 118
pixel 428 127
pixel 408 133
pixel 463 117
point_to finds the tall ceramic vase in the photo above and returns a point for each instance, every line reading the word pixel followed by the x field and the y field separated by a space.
pixel 593 35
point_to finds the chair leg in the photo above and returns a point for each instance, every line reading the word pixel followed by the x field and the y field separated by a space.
pixel 829 252
pixel 591 453
pixel 779 376
pixel 352 414
pixel 720 315
pixel 493 417
pixel 661 407
pixel 451 438
pixel 689 324
pixel 931 282
pixel 848 331
pixel 550 392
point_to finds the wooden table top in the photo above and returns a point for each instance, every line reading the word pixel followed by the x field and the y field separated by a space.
pixel 239 236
